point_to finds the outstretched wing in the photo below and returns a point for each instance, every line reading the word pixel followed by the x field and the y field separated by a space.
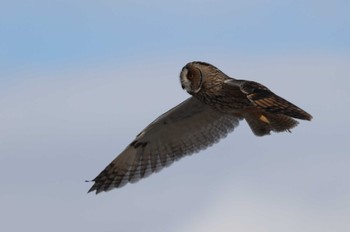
pixel 265 99
pixel 187 128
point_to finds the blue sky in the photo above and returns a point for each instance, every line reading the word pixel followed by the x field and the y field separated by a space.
pixel 37 33
pixel 80 79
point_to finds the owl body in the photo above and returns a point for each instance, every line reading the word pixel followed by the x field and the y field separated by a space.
pixel 224 98
pixel 214 91
pixel 217 105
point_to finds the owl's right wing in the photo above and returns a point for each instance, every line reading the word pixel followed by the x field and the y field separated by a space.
pixel 265 99
pixel 187 128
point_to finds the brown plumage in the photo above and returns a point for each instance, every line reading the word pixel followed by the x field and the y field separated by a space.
pixel 217 105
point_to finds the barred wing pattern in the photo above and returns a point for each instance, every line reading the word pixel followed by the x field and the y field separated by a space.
pixel 187 128
pixel 265 99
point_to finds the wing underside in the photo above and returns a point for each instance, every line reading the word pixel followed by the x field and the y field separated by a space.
pixel 187 128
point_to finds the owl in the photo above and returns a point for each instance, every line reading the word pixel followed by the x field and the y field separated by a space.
pixel 216 106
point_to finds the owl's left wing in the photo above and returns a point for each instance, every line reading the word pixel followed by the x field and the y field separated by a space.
pixel 187 128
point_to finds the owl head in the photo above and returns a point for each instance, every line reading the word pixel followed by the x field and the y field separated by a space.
pixel 192 77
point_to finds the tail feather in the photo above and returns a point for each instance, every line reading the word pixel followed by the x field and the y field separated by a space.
pixel 258 126
pixel 262 123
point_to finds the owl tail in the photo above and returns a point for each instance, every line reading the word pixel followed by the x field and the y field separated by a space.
pixel 263 123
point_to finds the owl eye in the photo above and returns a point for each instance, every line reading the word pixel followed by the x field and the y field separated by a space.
pixel 195 76
pixel 190 76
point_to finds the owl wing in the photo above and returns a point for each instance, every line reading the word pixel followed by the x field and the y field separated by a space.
pixel 187 128
pixel 268 101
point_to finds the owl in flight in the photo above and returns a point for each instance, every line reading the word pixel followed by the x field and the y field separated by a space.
pixel 217 104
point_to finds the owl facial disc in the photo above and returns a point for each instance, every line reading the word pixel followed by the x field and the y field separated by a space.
pixel 191 79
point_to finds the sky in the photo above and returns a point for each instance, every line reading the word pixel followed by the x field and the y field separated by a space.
pixel 80 79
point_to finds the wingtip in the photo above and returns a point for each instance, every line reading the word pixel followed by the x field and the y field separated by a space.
pixel 97 191
pixel 93 188
pixel 305 116
pixel 309 117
